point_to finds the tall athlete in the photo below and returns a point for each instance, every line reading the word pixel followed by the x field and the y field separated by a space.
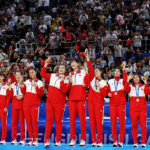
pixel 138 106
pixel 117 104
pixel 56 99
pixel 77 101
pixel 97 92
pixel 33 90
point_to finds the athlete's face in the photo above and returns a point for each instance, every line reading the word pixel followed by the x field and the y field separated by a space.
pixel 62 69
pixel 117 73
pixel 32 74
pixel 97 73
pixel 136 79
pixel 18 76
pixel 74 65
pixel 1 78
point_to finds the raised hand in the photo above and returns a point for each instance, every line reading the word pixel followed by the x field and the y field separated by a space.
pixel 124 65
pixel 144 79
pixel 86 53
pixel 130 77
pixel 86 68
pixel 47 62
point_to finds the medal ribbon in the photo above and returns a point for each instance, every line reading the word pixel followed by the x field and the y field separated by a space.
pixel 137 91
pixel 32 84
pixel 116 85
pixel 17 88
pixel 95 84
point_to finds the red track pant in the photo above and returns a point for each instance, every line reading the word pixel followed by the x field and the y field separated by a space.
pixel 54 112
pixel 96 121
pixel 3 118
pixel 140 116
pixel 18 115
pixel 31 116
pixel 77 108
pixel 117 111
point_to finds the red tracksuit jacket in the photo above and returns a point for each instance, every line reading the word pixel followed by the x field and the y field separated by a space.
pixel 78 87
pixel 94 95
pixel 57 89
pixel 32 95
pixel 120 98
pixel 143 91
pixel 4 96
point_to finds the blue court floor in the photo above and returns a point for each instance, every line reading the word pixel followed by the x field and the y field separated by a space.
pixel 66 147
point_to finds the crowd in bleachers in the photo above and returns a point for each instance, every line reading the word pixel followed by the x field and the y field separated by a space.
pixel 113 31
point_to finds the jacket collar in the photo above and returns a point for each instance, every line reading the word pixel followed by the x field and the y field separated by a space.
pixel 98 79
pixel 117 78
pixel 78 71
pixel 34 80
pixel 139 84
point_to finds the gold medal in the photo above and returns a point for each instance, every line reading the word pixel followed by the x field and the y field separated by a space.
pixel 137 100
pixel 96 90
pixel 115 93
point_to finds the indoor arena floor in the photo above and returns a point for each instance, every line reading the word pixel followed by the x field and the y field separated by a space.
pixel 66 147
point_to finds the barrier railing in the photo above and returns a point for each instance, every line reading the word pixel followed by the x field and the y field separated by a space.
pixel 64 46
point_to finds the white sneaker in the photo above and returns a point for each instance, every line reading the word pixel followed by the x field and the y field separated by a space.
pixel 22 142
pixel 3 142
pixel 120 144
pixel 115 144
pixel 99 145
pixel 30 142
pixel 47 144
pixel 94 144
pixel 143 145
pixel 72 143
pixel 35 143
pixel 57 144
pixel 82 143
pixel 135 145
pixel 14 142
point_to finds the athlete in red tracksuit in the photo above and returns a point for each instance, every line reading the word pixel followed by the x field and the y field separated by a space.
pixel 117 105
pixel 17 110
pixel 4 104
pixel 33 90
pixel 77 101
pixel 138 107
pixel 56 99
pixel 97 92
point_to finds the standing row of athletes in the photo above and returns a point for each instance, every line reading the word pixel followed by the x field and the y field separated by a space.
pixel 26 97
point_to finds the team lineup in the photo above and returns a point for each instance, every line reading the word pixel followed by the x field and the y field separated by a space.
pixel 26 97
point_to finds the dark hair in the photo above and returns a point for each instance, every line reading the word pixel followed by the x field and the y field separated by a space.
pixel 139 75
pixel 62 65
pixel 101 70
pixel 118 68
pixel 19 72
pixel 76 60
pixel 32 69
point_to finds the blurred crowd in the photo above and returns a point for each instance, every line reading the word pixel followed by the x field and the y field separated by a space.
pixel 113 31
